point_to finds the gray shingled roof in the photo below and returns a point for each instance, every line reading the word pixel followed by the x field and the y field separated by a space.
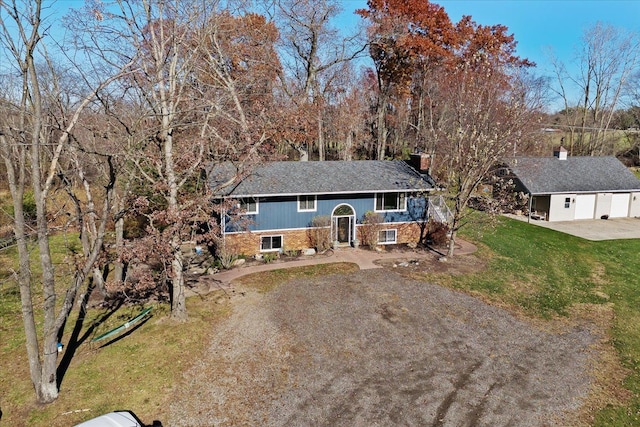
pixel 548 175
pixel 293 178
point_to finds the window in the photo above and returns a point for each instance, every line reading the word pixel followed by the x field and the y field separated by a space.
pixel 386 236
pixel 248 206
pixel 567 202
pixel 391 202
pixel 270 243
pixel 306 203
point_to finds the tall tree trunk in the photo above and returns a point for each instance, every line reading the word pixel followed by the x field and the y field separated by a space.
pixel 46 388
pixel 320 137
pixel 452 244
pixel 118 267
pixel 16 187
pixel 381 125
pixel 348 147
pixel 178 299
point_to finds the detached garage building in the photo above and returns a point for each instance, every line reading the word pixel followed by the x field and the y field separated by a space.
pixel 563 188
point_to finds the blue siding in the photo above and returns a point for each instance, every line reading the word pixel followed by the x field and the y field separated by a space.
pixel 281 213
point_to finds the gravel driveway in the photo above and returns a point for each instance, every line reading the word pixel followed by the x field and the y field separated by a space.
pixel 372 348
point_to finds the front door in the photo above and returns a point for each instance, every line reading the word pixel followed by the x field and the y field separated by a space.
pixel 343 227
pixel 342 224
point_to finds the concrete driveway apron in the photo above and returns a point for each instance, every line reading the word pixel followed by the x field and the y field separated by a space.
pixel 593 229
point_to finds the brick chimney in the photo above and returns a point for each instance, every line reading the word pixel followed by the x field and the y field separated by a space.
pixel 560 153
pixel 420 162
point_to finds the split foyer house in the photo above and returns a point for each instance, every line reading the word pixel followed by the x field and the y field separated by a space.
pixel 278 201
pixel 566 188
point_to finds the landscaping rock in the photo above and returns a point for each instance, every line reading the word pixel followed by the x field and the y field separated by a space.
pixel 197 270
pixel 238 262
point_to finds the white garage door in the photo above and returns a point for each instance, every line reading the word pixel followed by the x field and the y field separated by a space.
pixel 585 206
pixel 619 205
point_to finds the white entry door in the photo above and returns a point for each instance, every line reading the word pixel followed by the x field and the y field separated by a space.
pixel 619 206
pixel 585 206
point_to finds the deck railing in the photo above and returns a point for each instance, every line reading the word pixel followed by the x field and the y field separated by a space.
pixel 438 210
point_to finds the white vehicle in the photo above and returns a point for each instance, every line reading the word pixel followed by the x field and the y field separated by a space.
pixel 113 419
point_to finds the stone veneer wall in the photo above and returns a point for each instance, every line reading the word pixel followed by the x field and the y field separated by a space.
pixel 405 232
pixel 249 243
pixel 408 233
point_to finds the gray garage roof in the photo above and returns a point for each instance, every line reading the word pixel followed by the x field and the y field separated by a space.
pixel 294 178
pixel 549 175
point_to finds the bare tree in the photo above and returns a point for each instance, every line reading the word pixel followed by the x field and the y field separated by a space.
pixel 488 116
pixel 199 90
pixel 313 53
pixel 159 36
pixel 607 58
pixel 35 138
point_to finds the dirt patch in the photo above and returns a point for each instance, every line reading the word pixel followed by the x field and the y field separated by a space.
pixel 376 348
pixel 458 265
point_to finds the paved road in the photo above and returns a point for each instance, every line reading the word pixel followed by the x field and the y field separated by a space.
pixel 593 229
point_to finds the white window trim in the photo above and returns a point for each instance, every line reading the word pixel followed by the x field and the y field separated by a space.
pixel 272 236
pixel 403 208
pixel 255 199
pixel 315 204
pixel 387 230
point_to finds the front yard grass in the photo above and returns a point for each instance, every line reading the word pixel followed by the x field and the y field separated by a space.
pixel 539 272
pixel 545 273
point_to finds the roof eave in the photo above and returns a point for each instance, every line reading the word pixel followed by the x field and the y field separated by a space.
pixel 552 193
pixel 323 193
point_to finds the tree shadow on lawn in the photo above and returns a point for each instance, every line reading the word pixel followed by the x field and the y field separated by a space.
pixel 76 339
pixel 126 334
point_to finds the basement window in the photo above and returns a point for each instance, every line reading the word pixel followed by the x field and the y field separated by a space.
pixel 386 237
pixel 270 243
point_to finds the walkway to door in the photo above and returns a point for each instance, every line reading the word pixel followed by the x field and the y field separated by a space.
pixel 592 229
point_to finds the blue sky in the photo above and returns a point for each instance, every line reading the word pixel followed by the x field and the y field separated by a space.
pixel 538 24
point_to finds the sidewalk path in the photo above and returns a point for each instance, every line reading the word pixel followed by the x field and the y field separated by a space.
pixel 365 259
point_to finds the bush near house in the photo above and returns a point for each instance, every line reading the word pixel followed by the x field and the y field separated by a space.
pixel 320 233
pixel 437 233
pixel 371 225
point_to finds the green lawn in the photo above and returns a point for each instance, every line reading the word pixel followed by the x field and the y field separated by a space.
pixel 544 273
pixel 533 270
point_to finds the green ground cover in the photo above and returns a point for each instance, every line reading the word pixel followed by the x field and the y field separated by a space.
pixel 537 271
pixel 545 272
